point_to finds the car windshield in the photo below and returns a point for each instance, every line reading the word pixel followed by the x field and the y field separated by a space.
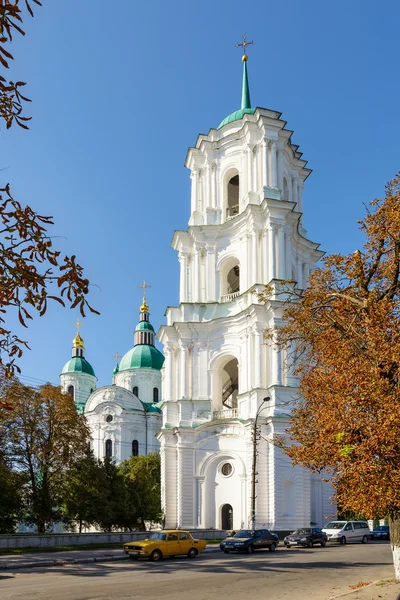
pixel 382 528
pixel 302 531
pixel 158 535
pixel 246 533
pixel 335 525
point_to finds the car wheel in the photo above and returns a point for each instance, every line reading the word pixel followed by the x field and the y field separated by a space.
pixel 323 543
pixel 250 549
pixel 287 545
pixel 364 539
pixel 272 548
pixel 342 540
pixel 192 553
pixel 226 551
pixel 156 555
pixel 310 544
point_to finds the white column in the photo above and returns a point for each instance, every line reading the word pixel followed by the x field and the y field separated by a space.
pixel 295 194
pixel 202 260
pixel 271 252
pixel 299 273
pixel 207 194
pixel 168 370
pixel 255 164
pixel 274 166
pixel 257 357
pixel 183 277
pixel 269 163
pixel 306 274
pixel 248 359
pixel 300 196
pixel 264 171
pixel 281 252
pixel 213 185
pixel 288 253
pixel 196 275
pixel 254 270
pixel 291 192
pixel 265 256
pixel 183 371
pixel 210 275
pixel 280 168
pixel 249 169
pixel 193 177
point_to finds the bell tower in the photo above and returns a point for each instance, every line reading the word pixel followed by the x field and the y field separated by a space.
pixel 245 230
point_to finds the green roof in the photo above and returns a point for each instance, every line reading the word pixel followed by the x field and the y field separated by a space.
pixel 142 356
pixel 144 326
pixel 236 116
pixel 78 365
pixel 245 109
pixel 151 408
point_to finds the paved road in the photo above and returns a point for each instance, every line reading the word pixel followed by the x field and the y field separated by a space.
pixel 317 573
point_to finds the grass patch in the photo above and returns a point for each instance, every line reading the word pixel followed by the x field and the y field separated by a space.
pixel 97 546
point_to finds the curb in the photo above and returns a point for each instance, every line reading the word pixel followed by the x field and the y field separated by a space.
pixel 72 561
pixel 364 587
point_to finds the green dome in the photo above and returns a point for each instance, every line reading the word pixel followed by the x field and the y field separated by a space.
pixel 142 356
pixel 144 326
pixel 78 365
pixel 236 116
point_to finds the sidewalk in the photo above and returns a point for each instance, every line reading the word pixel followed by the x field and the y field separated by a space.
pixel 382 590
pixel 69 557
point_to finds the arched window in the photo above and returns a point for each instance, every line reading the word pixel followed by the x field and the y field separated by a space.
pixel 155 394
pixel 232 208
pixel 136 391
pixel 108 447
pixel 71 391
pixel 135 448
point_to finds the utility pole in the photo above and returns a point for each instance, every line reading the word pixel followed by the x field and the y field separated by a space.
pixel 254 465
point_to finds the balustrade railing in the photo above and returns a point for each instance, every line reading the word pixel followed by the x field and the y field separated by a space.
pixel 227 413
pixel 229 297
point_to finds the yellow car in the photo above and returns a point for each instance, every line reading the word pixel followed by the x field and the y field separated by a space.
pixel 169 542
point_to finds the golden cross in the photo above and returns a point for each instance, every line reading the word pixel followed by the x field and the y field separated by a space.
pixel 117 357
pixel 78 324
pixel 144 287
pixel 244 43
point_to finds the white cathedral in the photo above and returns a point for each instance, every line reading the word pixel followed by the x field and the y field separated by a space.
pixel 198 407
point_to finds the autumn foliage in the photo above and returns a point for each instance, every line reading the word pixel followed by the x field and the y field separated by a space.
pixel 344 334
pixel 31 270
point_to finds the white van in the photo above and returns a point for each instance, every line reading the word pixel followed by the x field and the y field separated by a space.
pixel 347 531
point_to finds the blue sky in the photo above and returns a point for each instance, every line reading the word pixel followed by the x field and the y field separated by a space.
pixel 121 89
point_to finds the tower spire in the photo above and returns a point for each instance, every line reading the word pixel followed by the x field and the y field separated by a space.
pixel 246 102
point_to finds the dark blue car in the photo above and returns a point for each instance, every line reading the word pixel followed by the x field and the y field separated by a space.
pixel 381 533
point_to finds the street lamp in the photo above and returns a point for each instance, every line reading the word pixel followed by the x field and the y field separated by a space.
pixel 254 467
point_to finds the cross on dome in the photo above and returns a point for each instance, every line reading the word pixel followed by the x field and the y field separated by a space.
pixel 144 287
pixel 244 45
pixel 78 341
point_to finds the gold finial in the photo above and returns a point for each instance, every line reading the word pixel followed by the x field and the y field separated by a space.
pixel 144 307
pixel 78 341
pixel 243 45
pixel 117 357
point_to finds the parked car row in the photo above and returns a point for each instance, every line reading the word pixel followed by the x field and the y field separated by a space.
pixel 177 542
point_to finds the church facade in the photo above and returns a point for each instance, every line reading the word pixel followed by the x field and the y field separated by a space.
pixel 220 372
pixel 123 417
pixel 245 230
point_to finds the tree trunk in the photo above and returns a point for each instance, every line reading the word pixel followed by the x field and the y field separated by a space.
pixel 80 525
pixel 394 526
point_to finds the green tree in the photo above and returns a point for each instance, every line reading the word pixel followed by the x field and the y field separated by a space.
pixel 118 507
pixel 85 492
pixel 143 474
pixel 43 437
pixel 10 497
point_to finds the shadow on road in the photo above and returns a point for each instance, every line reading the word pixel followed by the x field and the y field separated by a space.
pixel 283 561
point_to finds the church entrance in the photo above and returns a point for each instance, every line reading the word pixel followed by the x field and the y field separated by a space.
pixel 227 517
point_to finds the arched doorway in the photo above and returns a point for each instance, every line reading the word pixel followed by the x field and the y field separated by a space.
pixel 227 517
